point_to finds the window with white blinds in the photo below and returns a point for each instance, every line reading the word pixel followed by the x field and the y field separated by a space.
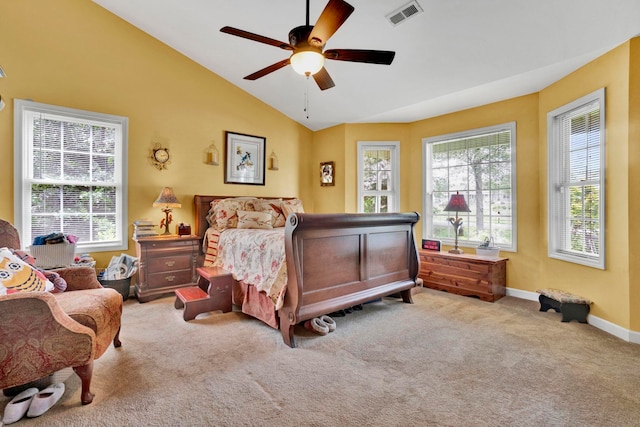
pixel 378 176
pixel 480 164
pixel 576 160
pixel 70 175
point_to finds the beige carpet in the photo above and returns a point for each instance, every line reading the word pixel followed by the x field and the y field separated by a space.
pixel 443 361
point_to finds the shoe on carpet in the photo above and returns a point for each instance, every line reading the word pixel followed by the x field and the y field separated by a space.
pixel 316 325
pixel 44 400
pixel 331 324
pixel 18 406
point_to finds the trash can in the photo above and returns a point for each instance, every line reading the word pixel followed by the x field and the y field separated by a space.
pixel 120 285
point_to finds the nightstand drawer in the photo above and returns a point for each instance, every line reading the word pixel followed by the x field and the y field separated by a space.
pixel 169 263
pixel 170 278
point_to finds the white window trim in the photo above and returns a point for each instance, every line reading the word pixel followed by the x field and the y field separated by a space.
pixel 394 147
pixel 22 192
pixel 554 172
pixel 427 191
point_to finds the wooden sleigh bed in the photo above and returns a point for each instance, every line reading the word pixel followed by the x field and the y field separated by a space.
pixel 333 262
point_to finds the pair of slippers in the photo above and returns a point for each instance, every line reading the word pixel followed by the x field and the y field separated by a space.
pixel 321 325
pixel 32 402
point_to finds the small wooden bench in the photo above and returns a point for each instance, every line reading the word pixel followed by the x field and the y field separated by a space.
pixel 212 293
pixel 572 307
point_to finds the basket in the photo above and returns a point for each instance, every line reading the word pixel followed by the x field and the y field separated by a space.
pixel 120 285
pixel 53 256
pixel 490 251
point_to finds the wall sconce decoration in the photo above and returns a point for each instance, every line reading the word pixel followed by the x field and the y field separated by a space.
pixel 213 155
pixel 167 200
pixel 273 161
pixel 456 204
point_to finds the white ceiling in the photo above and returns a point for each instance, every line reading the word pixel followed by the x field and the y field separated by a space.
pixel 455 55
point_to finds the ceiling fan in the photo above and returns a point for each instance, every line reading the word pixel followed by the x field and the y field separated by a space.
pixel 307 43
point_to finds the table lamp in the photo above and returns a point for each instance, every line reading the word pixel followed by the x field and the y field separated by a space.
pixel 456 204
pixel 167 201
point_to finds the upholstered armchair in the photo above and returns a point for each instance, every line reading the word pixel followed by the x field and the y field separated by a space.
pixel 43 332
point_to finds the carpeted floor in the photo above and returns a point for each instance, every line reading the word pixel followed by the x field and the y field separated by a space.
pixel 444 361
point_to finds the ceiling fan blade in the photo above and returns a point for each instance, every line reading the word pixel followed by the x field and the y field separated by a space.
pixel 384 57
pixel 331 18
pixel 267 70
pixel 256 37
pixel 323 79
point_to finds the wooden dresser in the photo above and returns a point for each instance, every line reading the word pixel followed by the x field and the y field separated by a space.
pixel 166 263
pixel 464 274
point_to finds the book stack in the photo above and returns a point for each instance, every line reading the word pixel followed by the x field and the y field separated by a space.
pixel 143 228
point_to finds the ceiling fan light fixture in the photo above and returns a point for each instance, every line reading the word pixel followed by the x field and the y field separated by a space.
pixel 307 62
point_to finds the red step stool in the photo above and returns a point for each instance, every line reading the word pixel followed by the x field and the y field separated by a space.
pixel 212 293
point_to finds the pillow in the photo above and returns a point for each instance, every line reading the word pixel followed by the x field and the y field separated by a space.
pixel 292 206
pixel 226 211
pixel 273 208
pixel 59 284
pixel 252 219
pixel 18 276
pixel 211 216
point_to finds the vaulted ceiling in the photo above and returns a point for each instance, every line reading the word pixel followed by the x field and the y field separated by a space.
pixel 454 54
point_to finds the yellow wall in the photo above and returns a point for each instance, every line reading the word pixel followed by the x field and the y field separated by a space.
pixel 74 53
pixel 634 183
pixel 609 289
pixel 523 264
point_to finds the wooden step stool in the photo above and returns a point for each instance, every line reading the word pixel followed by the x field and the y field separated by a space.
pixel 212 293
pixel 572 307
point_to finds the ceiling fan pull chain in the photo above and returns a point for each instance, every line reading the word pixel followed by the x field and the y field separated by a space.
pixel 306 98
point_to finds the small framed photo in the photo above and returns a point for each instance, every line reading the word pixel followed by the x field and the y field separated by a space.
pixel 327 173
pixel 244 159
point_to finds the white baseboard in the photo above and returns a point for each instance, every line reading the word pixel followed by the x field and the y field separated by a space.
pixel 597 322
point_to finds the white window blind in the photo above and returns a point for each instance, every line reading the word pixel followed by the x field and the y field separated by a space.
pixel 479 164
pixel 378 176
pixel 576 181
pixel 70 175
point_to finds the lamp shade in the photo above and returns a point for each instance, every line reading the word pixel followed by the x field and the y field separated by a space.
pixel 167 199
pixel 457 203
pixel 307 62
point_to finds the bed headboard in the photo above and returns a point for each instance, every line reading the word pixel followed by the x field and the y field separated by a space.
pixel 202 205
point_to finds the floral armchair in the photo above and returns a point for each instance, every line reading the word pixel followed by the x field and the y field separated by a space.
pixel 43 332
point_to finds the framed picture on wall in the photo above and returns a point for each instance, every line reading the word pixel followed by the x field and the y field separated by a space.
pixel 327 173
pixel 244 159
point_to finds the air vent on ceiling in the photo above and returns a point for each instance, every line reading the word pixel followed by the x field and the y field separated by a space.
pixel 405 12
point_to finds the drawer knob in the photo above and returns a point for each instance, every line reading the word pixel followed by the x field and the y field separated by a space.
pixel 170 278
pixel 170 263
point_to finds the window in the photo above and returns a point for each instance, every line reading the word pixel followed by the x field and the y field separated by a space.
pixel 479 164
pixel 576 181
pixel 70 175
pixel 378 176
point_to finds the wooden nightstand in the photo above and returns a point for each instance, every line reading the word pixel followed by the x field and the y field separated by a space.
pixel 166 263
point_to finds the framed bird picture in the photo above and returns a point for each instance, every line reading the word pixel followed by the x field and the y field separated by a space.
pixel 244 159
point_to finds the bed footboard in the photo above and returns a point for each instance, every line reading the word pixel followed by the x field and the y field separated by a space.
pixel 335 261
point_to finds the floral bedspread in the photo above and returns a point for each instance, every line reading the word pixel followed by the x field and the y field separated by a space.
pixel 256 257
